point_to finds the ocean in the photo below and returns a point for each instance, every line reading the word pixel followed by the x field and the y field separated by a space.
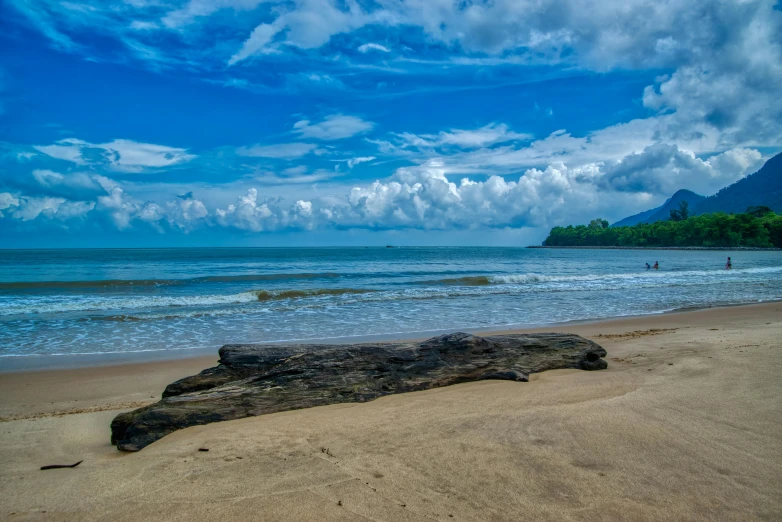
pixel 57 302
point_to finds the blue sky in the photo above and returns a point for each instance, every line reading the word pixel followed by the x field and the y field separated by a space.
pixel 261 122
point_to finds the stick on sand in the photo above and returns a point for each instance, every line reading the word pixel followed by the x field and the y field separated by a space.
pixel 60 466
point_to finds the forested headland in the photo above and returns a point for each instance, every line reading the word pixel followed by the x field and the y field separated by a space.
pixel 758 227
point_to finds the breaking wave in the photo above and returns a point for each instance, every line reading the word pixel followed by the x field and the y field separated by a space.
pixel 141 283
pixel 57 304
pixel 521 279
pixel 124 308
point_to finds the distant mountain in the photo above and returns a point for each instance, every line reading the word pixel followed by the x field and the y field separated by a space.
pixel 764 187
pixel 662 213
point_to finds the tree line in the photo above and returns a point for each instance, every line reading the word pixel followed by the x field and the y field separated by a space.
pixel 758 227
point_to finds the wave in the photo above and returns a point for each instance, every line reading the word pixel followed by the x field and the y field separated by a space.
pixel 264 277
pixel 138 307
pixel 108 283
pixel 59 304
pixel 520 279
pixel 126 283
pixel 462 281
pixel 273 295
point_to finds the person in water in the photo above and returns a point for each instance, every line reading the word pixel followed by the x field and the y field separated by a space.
pixel 648 266
pixel 728 265
pixel 656 265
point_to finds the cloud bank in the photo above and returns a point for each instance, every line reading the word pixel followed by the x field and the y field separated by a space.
pixel 421 197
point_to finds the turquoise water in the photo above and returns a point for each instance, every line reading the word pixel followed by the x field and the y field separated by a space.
pixel 108 301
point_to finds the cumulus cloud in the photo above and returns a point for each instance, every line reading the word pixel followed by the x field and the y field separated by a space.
pixel 334 127
pixel 27 208
pixel 185 210
pixel 663 169
pixel 251 214
pixel 425 196
pixel 109 203
pixel 706 117
pixel 76 185
pixel 7 200
pixel 496 149
pixel 118 155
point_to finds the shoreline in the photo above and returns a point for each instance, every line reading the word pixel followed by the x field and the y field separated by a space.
pixel 684 424
pixel 10 364
pixel 719 249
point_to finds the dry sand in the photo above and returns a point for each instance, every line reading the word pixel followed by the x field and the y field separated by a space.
pixel 686 424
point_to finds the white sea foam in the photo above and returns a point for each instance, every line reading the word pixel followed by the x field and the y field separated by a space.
pixel 637 276
pixel 138 307
pixel 57 304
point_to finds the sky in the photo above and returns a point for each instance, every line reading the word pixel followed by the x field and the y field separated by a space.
pixel 149 123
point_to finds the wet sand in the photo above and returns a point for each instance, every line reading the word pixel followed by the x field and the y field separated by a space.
pixel 686 424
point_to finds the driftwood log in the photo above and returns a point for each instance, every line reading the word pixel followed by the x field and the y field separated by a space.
pixel 254 380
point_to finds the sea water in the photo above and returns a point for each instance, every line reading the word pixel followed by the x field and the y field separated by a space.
pixel 109 301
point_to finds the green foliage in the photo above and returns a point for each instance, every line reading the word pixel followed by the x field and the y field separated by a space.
pixel 598 224
pixel 707 230
pixel 682 213
pixel 758 211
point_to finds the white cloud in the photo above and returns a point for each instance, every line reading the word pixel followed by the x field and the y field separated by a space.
pixel 252 215
pixel 256 43
pixel 185 210
pixel 280 151
pixel 70 210
pixel 724 57
pixel 68 150
pixel 76 185
pixel 352 162
pixel 141 25
pixel 491 134
pixel 334 127
pixel 422 197
pixel 119 206
pixel 119 155
pixel 635 33
pixel 367 47
pixel 309 25
pixel 194 9
pixel 663 169
pixel 183 213
pixel 495 149
pixel 25 156
pixel 30 207
pixel 295 176
pixel 7 200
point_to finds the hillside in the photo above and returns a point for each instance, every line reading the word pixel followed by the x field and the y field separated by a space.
pixel 764 187
pixel 662 212
pixel 706 230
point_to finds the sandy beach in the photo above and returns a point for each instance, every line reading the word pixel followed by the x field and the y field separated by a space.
pixel 684 425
